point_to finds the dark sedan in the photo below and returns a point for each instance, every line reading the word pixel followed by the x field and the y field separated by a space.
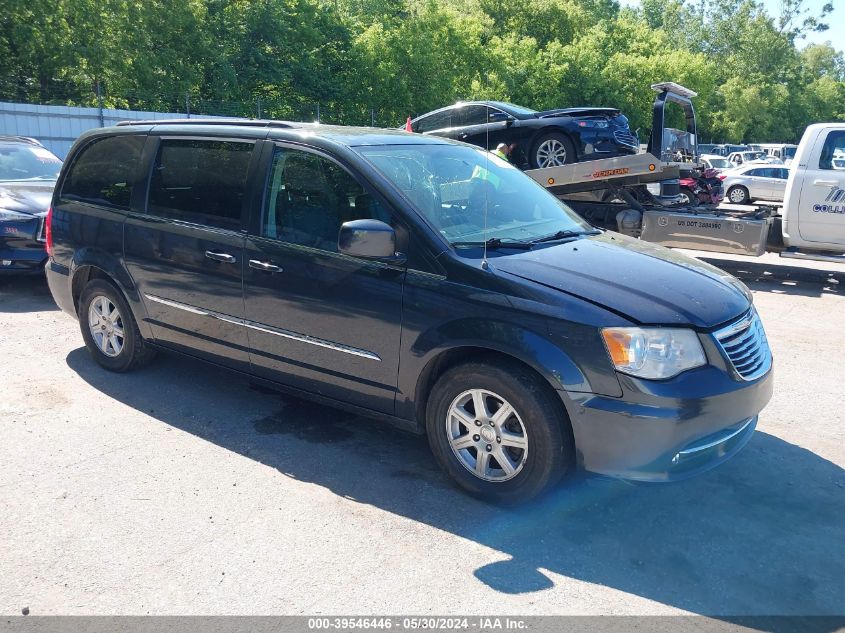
pixel 538 139
pixel 28 172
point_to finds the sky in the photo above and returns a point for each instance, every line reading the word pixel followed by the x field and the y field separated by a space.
pixel 836 20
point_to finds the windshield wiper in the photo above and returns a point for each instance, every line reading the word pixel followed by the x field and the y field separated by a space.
pixel 563 235
pixel 498 242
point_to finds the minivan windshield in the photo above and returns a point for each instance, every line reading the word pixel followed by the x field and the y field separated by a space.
pixel 472 196
pixel 23 162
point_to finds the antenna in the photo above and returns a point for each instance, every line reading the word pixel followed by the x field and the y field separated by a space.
pixel 486 180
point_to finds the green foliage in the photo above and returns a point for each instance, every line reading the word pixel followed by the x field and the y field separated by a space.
pixel 394 58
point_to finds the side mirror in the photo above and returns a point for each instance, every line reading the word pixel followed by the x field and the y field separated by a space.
pixel 497 117
pixel 370 239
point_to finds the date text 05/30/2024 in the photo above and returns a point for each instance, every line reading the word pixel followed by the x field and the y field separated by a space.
pixel 479 623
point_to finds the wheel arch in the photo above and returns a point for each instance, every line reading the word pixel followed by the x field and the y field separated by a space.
pixel 445 359
pixel 557 129
pixel 90 264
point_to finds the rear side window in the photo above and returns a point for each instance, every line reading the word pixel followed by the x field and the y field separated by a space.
pixel 105 172
pixel 437 121
pixel 200 181
pixel 834 148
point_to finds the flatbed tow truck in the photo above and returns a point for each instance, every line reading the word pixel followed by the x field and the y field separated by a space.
pixel 614 193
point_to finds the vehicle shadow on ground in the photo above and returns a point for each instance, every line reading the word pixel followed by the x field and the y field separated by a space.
pixel 784 279
pixel 761 535
pixel 25 294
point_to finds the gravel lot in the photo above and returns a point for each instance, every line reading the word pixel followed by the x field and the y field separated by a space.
pixel 181 489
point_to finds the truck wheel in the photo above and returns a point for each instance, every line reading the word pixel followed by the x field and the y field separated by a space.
pixel 498 431
pixel 689 197
pixel 738 195
pixel 109 328
pixel 552 150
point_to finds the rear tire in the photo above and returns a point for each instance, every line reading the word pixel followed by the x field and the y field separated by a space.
pixel 515 447
pixel 552 150
pixel 109 328
pixel 738 195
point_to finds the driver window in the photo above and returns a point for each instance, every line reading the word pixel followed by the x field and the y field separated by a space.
pixel 309 197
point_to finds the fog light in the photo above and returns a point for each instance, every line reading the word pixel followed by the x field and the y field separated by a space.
pixel 6 262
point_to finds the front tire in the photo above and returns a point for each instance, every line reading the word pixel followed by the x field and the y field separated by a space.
pixel 109 329
pixel 552 150
pixel 498 431
pixel 691 200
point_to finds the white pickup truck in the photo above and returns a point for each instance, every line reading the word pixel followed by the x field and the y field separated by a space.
pixel 813 214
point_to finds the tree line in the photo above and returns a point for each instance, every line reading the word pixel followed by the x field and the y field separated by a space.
pixel 388 59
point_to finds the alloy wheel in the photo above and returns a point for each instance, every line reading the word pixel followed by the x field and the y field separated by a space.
pixel 106 326
pixel 487 435
pixel 551 153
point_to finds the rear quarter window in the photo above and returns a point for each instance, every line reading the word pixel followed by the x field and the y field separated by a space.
pixel 437 121
pixel 105 171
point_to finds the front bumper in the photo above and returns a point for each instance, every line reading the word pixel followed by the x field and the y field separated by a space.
pixel 667 430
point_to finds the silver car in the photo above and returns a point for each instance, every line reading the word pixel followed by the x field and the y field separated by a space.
pixel 744 158
pixel 755 182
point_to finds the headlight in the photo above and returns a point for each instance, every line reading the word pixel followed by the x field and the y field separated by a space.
pixel 653 352
pixel 7 215
pixel 593 123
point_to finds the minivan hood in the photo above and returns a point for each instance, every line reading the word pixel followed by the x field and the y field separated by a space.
pixel 646 283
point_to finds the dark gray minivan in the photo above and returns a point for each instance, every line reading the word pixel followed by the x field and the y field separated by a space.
pixel 410 278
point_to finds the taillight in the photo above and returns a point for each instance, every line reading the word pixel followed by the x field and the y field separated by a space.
pixel 722 176
pixel 48 231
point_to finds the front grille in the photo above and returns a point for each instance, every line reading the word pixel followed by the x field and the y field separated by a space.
pixel 626 138
pixel 745 345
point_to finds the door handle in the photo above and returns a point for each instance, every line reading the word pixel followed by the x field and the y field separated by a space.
pixel 221 257
pixel 265 266
pixel 825 183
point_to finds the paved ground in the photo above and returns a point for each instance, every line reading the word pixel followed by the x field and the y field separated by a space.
pixel 181 489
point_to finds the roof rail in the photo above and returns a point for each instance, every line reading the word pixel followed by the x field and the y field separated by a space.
pixel 21 139
pixel 217 121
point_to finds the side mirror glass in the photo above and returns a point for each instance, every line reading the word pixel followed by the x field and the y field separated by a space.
pixel 370 239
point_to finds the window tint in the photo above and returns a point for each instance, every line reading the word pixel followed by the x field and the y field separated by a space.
pixel 474 115
pixel 754 172
pixel 309 197
pixel 436 121
pixel 105 171
pixel 200 181
pixel 834 147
